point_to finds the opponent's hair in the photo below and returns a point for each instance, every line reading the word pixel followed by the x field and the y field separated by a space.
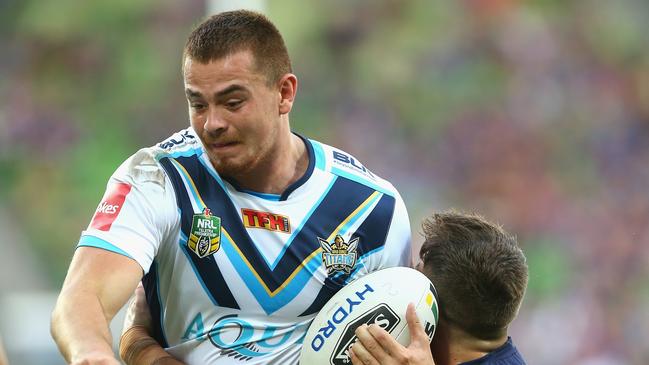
pixel 233 31
pixel 478 270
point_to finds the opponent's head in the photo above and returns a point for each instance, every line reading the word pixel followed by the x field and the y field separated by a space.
pixel 239 87
pixel 478 270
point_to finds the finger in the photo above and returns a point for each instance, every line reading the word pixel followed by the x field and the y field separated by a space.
pixel 370 344
pixel 417 333
pixel 352 356
pixel 129 318
pixel 140 295
pixel 361 354
pixel 137 312
pixel 389 346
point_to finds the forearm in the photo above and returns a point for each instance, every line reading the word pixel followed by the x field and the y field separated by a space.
pixel 80 326
pixel 97 285
pixel 138 348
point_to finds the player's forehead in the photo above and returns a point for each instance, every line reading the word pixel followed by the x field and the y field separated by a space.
pixel 234 69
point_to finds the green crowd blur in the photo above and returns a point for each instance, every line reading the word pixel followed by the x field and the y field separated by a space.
pixel 533 113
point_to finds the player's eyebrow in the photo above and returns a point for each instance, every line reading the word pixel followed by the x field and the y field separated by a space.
pixel 228 90
pixel 217 95
pixel 192 94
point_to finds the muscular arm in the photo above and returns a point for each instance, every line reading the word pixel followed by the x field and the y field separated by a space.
pixel 97 285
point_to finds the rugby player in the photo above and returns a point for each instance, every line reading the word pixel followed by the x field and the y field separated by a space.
pixel 227 223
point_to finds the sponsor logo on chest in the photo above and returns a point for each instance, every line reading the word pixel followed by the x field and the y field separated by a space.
pixel 270 221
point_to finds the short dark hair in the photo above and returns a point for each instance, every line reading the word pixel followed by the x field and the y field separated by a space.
pixel 233 31
pixel 478 269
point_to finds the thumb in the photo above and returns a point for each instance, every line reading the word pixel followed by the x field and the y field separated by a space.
pixel 417 333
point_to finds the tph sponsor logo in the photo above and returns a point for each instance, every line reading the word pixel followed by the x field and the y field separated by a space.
pixel 266 220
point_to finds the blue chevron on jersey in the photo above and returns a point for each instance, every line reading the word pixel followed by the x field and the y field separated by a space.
pixel 284 290
pixel 296 267
pixel 296 231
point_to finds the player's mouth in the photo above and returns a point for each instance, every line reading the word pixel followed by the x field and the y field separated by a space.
pixel 221 147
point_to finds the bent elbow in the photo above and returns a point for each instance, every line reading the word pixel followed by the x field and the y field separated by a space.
pixel 55 319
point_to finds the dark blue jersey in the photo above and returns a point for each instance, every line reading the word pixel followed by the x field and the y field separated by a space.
pixel 507 354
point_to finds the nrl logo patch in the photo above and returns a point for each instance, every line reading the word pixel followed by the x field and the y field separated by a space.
pixel 339 256
pixel 205 236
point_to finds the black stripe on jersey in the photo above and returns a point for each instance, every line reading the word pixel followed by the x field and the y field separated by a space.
pixel 342 199
pixel 213 281
pixel 373 233
pixel 150 283
pixel 374 230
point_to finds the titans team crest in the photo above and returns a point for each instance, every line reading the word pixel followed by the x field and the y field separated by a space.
pixel 205 236
pixel 339 256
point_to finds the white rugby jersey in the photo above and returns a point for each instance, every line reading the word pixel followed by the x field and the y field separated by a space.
pixel 235 276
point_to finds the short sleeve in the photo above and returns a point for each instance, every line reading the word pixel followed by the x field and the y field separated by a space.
pixel 137 212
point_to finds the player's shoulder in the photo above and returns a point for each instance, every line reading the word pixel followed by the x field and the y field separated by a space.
pixel 344 164
pixel 179 142
pixel 144 165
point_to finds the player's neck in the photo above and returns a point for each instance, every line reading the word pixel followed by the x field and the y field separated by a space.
pixel 452 346
pixel 285 165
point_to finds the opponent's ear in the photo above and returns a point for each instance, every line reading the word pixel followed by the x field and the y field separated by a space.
pixel 287 91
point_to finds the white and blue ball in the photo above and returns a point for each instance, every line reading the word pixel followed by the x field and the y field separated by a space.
pixel 381 298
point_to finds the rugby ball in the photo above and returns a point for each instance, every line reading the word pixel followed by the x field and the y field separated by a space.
pixel 381 298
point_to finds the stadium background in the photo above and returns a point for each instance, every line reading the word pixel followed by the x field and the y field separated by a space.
pixel 534 113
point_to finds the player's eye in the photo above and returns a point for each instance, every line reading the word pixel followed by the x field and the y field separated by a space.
pixel 197 106
pixel 233 104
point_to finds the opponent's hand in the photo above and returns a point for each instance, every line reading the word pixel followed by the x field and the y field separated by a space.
pixel 375 346
pixel 136 346
pixel 138 313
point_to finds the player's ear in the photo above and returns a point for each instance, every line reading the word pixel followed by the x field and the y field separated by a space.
pixel 420 266
pixel 287 90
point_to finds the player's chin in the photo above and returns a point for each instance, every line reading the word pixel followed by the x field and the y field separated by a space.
pixel 231 166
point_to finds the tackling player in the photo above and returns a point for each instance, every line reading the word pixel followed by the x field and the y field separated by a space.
pixel 480 275
pixel 225 221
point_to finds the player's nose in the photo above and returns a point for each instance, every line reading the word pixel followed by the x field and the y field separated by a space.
pixel 215 122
